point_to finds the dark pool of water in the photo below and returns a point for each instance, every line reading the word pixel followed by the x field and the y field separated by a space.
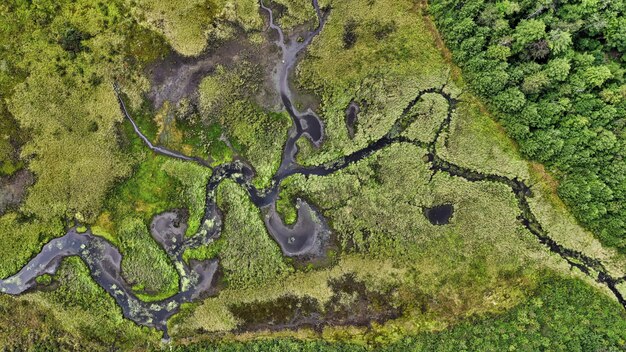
pixel 352 113
pixel 439 214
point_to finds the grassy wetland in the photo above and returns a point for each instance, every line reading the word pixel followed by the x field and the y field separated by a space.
pixel 512 264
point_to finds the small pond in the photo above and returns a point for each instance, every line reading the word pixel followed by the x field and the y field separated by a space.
pixel 439 214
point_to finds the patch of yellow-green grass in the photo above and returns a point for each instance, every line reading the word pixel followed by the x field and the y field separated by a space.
pixel 286 206
pixel 297 12
pixel 426 117
pixel 194 179
pixel 258 136
pixel 189 25
pixel 182 23
pixel 145 265
pixel 249 256
pixel 92 163
pixel 208 251
pixel 478 142
pixel 104 233
pixel 20 241
pixel 132 204
pixel 9 135
pixel 385 68
pixel 622 288
pixel 149 191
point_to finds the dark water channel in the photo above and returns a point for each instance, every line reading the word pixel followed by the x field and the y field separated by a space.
pixel 168 229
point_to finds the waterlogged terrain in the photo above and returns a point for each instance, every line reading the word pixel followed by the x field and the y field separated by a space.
pixel 329 267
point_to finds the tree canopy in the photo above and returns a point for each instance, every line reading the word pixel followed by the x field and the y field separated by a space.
pixel 553 73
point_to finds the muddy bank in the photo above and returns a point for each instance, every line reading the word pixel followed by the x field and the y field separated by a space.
pixel 306 237
pixel 169 229
pixel 352 303
pixel 178 77
pixel 13 189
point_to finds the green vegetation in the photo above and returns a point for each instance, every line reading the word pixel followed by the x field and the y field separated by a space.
pixel 384 69
pixel 21 239
pixel 157 184
pixel 69 181
pixel 562 315
pixel 479 143
pixel 44 279
pixel 193 179
pixel 227 99
pixel 130 209
pixel 554 75
pixel 188 25
pixel 208 251
pixel 565 315
pixel 149 191
pixel 59 59
pixel 144 264
pixel 181 128
pixel 249 256
pixel 427 115
pixel 76 315
pixel 9 140
pixel 286 205
pixel 74 47
pixel 291 13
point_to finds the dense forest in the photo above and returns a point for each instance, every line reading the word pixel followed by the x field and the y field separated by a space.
pixel 553 71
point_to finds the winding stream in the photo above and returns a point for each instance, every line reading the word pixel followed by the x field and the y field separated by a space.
pixel 304 238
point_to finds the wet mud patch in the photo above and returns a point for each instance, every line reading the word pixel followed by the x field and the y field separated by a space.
pixel 306 238
pixel 439 214
pixel 13 189
pixel 177 77
pixel 352 114
pixel 383 30
pixel 326 257
pixel 352 303
pixel 169 228
pixel 282 313
pixel 312 127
